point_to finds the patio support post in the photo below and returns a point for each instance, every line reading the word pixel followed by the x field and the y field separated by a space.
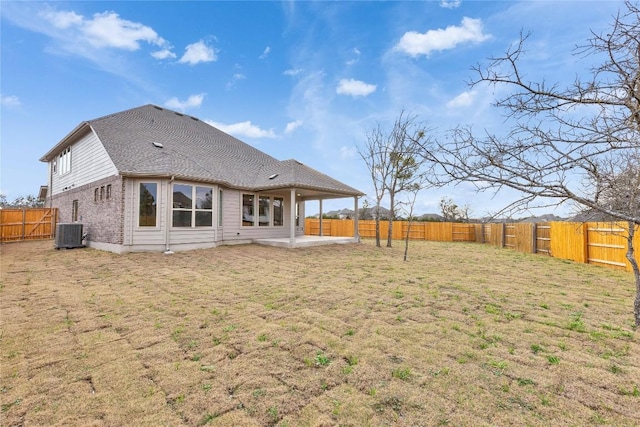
pixel 356 234
pixel 320 203
pixel 292 224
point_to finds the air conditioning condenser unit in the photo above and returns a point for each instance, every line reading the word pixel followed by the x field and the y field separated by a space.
pixel 69 236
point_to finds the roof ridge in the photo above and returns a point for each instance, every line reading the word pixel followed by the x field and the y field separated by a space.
pixel 122 112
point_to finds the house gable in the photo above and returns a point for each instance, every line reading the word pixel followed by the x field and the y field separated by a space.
pixel 86 161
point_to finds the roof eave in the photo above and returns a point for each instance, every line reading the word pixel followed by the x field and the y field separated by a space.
pixel 345 193
pixel 66 141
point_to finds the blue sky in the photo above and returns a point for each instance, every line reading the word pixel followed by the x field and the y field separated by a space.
pixel 303 80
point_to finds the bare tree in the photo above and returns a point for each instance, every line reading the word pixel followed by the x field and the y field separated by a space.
pixel 375 155
pixel 563 140
pixel 29 201
pixel 406 140
pixel 451 212
pixel 395 163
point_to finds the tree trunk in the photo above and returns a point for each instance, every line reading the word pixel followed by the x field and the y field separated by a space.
pixel 392 215
pixel 636 271
pixel 377 218
pixel 406 238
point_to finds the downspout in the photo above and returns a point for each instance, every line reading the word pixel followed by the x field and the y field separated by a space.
pixel 54 218
pixel 168 221
pixel 50 189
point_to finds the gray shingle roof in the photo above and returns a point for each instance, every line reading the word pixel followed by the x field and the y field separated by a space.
pixel 196 150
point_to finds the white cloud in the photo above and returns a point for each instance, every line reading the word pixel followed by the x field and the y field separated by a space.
pixel 356 58
pixel 107 29
pixel 292 71
pixel 10 101
pixel 198 52
pixel 246 129
pixel 194 101
pixel 450 4
pixel 63 19
pixel 266 52
pixel 163 54
pixel 291 126
pixel 83 36
pixel 354 88
pixel 234 79
pixel 414 43
pixel 465 99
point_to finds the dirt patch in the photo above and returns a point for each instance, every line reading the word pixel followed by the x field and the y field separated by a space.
pixel 461 334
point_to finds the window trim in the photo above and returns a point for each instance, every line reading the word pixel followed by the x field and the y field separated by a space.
pixel 158 190
pixel 65 161
pixel 75 206
pixel 256 209
pixel 193 209
pixel 220 208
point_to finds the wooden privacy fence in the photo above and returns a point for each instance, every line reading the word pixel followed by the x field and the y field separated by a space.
pixel 27 224
pixel 594 243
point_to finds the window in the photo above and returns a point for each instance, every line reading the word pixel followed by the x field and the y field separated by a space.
pixel 186 213
pixel 74 211
pixel 182 205
pixel 248 210
pixel 102 193
pixel 220 208
pixel 95 195
pixel 65 162
pixel 204 206
pixel 264 206
pixel 270 210
pixel 108 191
pixel 147 206
pixel 278 211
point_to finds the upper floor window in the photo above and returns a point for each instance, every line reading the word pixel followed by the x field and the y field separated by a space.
pixel 64 162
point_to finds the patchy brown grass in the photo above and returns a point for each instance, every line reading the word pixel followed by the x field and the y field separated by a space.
pixel 336 335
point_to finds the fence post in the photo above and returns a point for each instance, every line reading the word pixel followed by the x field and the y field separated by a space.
pixel 534 238
pixel 24 225
pixel 585 243
pixel 504 232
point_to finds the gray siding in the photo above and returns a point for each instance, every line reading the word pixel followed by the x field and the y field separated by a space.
pixel 148 235
pixel 232 225
pixel 89 163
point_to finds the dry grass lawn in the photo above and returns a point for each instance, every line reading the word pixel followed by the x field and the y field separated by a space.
pixel 461 335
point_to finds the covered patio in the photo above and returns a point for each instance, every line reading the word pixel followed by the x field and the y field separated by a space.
pixel 303 195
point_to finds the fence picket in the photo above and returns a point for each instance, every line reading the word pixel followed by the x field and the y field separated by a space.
pixel 27 224
pixel 595 243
